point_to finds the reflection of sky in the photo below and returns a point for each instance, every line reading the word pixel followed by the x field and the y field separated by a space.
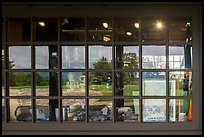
pixel 42 57
pixel 21 55
pixel 131 49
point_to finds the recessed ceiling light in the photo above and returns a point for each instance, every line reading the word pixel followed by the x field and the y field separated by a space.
pixel 41 24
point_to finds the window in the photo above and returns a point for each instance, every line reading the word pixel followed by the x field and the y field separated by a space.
pixel 111 71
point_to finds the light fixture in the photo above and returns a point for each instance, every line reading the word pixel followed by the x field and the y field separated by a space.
pixel 42 24
pixel 65 21
pixel 188 24
pixel 137 25
pixel 105 25
pixel 159 25
pixel 129 33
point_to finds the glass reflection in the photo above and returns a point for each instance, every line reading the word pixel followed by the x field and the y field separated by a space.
pixel 3 110
pixel 100 110
pixel 73 57
pixel 128 111
pixel 47 110
pixel 180 83
pixel 100 57
pixel 127 57
pixel 46 57
pixel 127 84
pixel 100 84
pixel 46 29
pixel 42 80
pixel 19 57
pixel 19 84
pixel 152 30
pixel 180 30
pixel 2 30
pixel 154 110
pixel 100 29
pixel 18 30
pixel 73 84
pixel 180 110
pixel 74 110
pixel 126 29
pixel 73 29
pixel 153 83
pixel 2 72
pixel 20 110
pixel 180 57
pixel 153 57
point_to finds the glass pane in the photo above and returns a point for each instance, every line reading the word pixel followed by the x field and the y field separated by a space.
pixel 19 84
pixel 180 83
pixel 3 110
pixel 73 29
pixel 153 30
pixel 46 57
pixel 73 83
pixel 100 57
pixel 180 57
pixel 99 29
pixel 47 110
pixel 20 110
pixel 154 110
pixel 73 110
pixel 73 57
pixel 153 83
pixel 127 57
pixel 127 84
pixel 46 29
pixel 2 29
pixel 18 30
pixel 100 110
pixel 126 29
pixel 180 110
pixel 100 84
pixel 127 110
pixel 180 30
pixel 19 57
pixel 153 56
pixel 42 80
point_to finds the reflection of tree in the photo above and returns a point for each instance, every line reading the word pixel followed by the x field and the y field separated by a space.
pixel 131 60
pixel 102 77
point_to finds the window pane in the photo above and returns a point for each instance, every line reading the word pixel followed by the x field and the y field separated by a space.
pixel 100 57
pixel 127 110
pixel 20 110
pixel 127 84
pixel 99 29
pixel 2 72
pixel 127 57
pixel 180 110
pixel 154 110
pixel 19 84
pixel 153 30
pixel 19 57
pixel 181 56
pixel 100 84
pixel 3 110
pixel 2 29
pixel 180 83
pixel 73 29
pixel 126 29
pixel 153 57
pixel 46 29
pixel 100 110
pixel 153 83
pixel 18 30
pixel 47 110
pixel 42 80
pixel 46 57
pixel 73 83
pixel 74 110
pixel 180 30
pixel 73 57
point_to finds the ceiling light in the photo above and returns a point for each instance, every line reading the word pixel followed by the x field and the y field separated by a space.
pixel 159 25
pixel 137 25
pixel 188 24
pixel 129 33
pixel 105 25
pixel 42 24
